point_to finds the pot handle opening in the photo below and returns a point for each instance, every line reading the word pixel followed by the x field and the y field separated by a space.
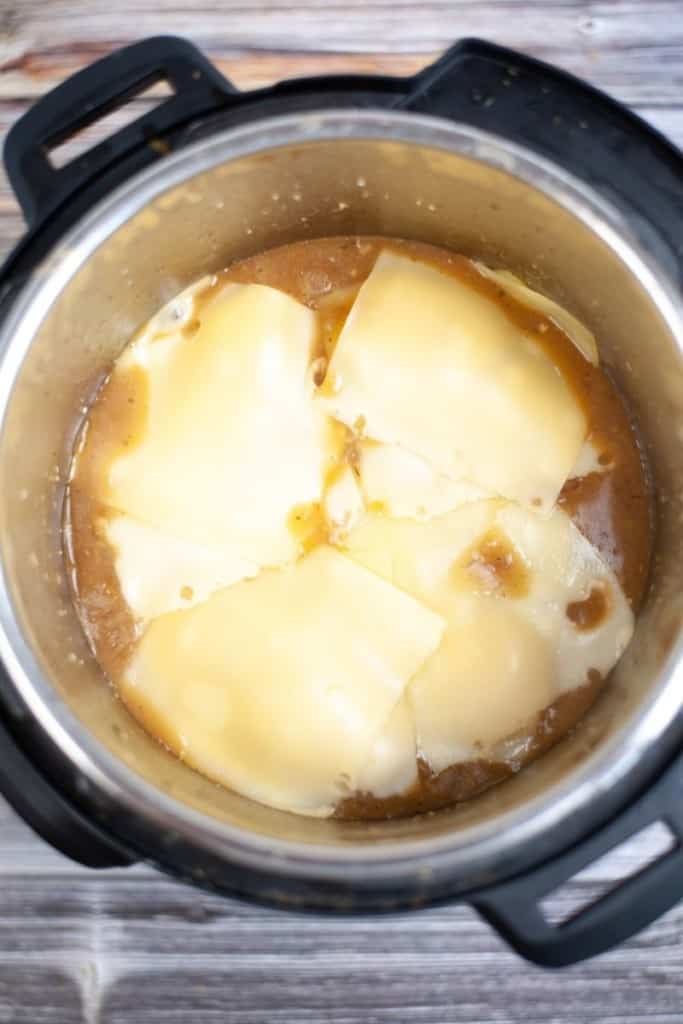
pixel 515 908
pixel 197 88
pixel 581 129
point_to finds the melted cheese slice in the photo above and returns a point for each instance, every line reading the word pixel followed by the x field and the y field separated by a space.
pixel 233 441
pixel 159 573
pixel 426 362
pixel 567 569
pixel 392 766
pixel 573 328
pixel 503 658
pixel 589 461
pixel 280 686
pixel 417 556
pixel 343 503
pixel 579 652
pixel 399 483
pixel 491 674
pixel 176 314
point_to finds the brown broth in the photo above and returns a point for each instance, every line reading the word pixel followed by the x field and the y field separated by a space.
pixel 493 566
pixel 470 778
pixel 591 612
pixel 612 508
pixel 116 420
pixel 107 619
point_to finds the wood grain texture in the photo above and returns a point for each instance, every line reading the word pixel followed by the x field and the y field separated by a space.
pixel 131 947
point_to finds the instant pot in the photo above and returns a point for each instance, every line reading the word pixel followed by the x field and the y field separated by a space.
pixel 487 152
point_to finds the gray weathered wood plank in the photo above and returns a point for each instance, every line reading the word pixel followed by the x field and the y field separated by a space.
pixel 135 947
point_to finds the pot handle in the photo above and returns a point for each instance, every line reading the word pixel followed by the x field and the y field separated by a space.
pixel 514 908
pixel 563 119
pixel 50 815
pixel 198 88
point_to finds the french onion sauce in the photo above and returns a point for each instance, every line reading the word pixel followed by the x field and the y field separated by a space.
pixel 612 508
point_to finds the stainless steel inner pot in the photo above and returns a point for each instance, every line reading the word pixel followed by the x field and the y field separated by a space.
pixel 224 198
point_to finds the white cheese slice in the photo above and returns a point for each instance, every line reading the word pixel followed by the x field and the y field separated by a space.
pixel 174 315
pixel 544 547
pixel 279 686
pixel 343 503
pixel 579 652
pixel 492 672
pixel 392 766
pixel 233 441
pixel 400 483
pixel 565 569
pixel 573 328
pixel 589 461
pixel 426 362
pixel 418 556
pixel 159 573
pixel 506 655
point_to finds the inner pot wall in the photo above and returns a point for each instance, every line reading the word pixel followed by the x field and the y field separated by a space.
pixel 462 192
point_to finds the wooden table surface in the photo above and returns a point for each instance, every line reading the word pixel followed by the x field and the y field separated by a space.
pixel 131 947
